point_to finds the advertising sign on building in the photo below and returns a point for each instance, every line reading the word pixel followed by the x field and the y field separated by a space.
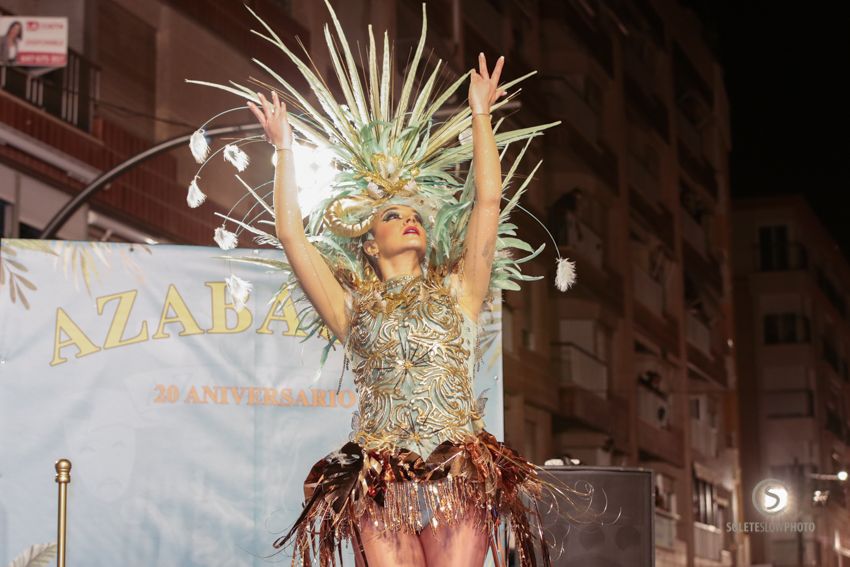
pixel 27 41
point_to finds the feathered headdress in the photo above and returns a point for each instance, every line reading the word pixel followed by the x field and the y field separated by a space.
pixel 385 152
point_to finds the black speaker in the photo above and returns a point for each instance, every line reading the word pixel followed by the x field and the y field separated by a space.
pixel 607 522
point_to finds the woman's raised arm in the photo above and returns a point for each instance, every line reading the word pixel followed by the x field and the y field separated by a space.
pixel 314 275
pixel 484 220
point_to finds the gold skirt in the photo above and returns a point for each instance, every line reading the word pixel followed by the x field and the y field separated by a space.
pixel 400 491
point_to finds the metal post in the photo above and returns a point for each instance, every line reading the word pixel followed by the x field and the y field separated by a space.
pixel 63 478
pixel 67 210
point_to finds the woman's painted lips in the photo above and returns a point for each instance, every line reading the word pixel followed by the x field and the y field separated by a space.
pixel 411 230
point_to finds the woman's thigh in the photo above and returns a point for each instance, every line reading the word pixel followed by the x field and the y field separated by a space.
pixel 463 544
pixel 390 549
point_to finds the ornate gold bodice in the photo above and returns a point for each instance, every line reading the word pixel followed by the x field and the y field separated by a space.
pixel 412 352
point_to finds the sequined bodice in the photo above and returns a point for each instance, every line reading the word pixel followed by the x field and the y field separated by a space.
pixel 412 354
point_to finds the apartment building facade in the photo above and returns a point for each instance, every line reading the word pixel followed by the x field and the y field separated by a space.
pixel 632 367
pixel 793 350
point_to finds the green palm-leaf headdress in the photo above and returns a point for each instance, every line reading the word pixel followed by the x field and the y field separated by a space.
pixel 386 152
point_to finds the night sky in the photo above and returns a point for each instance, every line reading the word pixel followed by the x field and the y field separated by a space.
pixel 786 66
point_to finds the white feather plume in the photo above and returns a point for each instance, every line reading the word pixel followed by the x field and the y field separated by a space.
pixel 565 275
pixel 199 145
pixel 236 156
pixel 195 197
pixel 225 239
pixel 239 291
pixel 39 555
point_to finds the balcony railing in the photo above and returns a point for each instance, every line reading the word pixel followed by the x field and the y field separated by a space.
pixel 688 134
pixel 583 369
pixel 642 70
pixel 586 242
pixel 643 180
pixel 834 424
pixel 832 293
pixel 648 292
pixel 830 355
pixel 665 529
pixel 698 334
pixel 708 541
pixel 68 93
pixel 567 102
pixel 781 257
pixel 653 408
pixel 704 438
pixel 694 234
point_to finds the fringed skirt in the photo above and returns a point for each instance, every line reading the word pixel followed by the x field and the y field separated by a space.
pixel 402 492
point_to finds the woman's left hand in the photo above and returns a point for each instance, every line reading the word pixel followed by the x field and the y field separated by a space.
pixel 484 87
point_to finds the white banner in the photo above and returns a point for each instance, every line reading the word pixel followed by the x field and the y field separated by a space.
pixel 190 427
pixel 28 41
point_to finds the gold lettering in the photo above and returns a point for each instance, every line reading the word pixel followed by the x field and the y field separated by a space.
pixel 319 398
pixel 76 337
pixel 210 393
pixel 192 397
pixel 302 399
pixel 288 314
pixel 270 396
pixel 126 300
pixel 285 397
pixel 174 302
pixel 220 307
pixel 237 393
pixel 347 398
pixel 253 395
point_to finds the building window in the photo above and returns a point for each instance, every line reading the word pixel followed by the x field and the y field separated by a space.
pixel 789 403
pixel 780 328
pixel 705 502
pixel 776 252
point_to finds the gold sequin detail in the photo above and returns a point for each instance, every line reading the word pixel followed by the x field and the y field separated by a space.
pixel 411 350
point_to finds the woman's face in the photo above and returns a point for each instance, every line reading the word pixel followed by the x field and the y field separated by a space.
pixel 398 228
pixel 13 32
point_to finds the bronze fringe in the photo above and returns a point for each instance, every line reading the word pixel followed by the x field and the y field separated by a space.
pixel 352 485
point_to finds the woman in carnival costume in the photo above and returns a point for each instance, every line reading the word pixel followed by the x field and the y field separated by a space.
pixel 397 266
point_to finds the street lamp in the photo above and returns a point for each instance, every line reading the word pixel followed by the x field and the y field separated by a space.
pixel 839 476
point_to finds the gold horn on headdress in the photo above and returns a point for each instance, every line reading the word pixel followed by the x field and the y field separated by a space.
pixel 341 209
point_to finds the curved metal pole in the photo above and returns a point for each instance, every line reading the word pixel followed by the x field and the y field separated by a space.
pixel 61 217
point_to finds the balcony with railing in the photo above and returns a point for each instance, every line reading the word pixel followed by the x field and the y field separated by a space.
pixel 698 334
pixel 578 367
pixel 648 106
pixel 835 425
pixel 665 528
pixel 830 355
pixel 708 542
pixel 780 257
pixel 567 102
pixel 640 65
pixel 583 240
pixel 643 180
pixel 694 234
pixel 648 292
pixel 831 291
pixel 68 93
pixel 587 27
pixel 704 438
pixel 653 407
pixel 688 134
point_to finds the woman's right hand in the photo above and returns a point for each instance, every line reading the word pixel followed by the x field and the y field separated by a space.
pixel 273 120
